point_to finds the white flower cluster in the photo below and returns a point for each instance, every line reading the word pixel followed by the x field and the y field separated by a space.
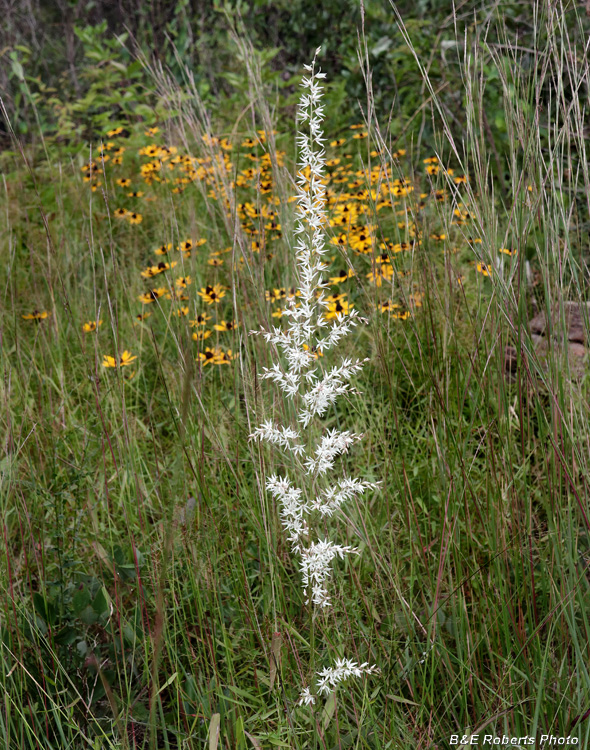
pixel 315 566
pixel 324 392
pixel 333 443
pixel 329 678
pixel 305 312
pixel 316 390
pixel 279 435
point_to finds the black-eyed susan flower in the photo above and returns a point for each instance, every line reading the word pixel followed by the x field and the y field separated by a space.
pixel 334 297
pixel 200 320
pixel 152 131
pixel 136 194
pixel 388 306
pixel 162 266
pixel 226 325
pixel 201 335
pixel 209 356
pixel 124 182
pixel 226 357
pixel 120 213
pixel 342 276
pixel 183 312
pixel 402 246
pixel 36 315
pixel 338 142
pixel 163 249
pixel 91 326
pixel 116 131
pixel 336 309
pixel 134 218
pixel 149 151
pixel 382 273
pixel 125 359
pixel 89 168
pixel 271 295
pixel 153 294
pixel 215 261
pixel 507 250
pixel 183 282
pixel 142 317
pixel 212 294
pixel 210 140
pixel 484 269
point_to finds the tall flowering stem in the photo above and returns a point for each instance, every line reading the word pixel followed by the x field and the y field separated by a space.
pixel 311 388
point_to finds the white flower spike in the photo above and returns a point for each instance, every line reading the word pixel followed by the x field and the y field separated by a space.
pixel 302 377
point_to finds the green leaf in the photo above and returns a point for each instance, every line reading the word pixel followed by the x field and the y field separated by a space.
pixel 102 603
pixel 66 636
pixel 88 616
pixel 80 600
pixel 45 609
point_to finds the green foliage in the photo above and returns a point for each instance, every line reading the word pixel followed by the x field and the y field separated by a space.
pixel 109 88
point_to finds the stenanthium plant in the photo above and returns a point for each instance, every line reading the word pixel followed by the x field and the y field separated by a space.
pixel 312 389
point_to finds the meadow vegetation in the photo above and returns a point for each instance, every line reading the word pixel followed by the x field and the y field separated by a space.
pixel 149 595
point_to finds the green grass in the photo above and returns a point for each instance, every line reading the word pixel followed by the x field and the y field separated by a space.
pixel 145 571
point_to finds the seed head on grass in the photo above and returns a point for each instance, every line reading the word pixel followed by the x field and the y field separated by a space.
pixel 315 324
